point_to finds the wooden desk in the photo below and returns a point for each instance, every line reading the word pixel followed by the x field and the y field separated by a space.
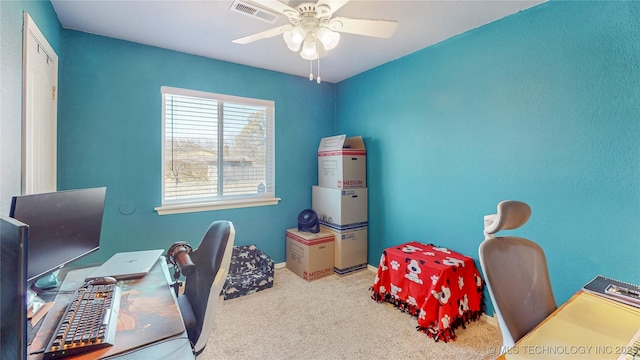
pixel 585 327
pixel 150 325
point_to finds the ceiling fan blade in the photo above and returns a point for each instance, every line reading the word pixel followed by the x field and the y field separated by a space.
pixel 326 8
pixel 263 35
pixel 376 28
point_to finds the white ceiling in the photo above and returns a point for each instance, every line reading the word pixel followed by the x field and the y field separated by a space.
pixel 207 27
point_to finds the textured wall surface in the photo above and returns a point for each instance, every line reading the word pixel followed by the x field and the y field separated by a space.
pixel 110 135
pixel 541 107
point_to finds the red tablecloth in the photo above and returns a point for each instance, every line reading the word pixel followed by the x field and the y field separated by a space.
pixel 439 286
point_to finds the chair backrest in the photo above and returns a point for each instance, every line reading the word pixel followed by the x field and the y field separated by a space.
pixel 511 215
pixel 516 275
pixel 203 286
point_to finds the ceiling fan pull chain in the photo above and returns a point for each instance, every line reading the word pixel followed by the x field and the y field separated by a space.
pixel 310 70
pixel 318 78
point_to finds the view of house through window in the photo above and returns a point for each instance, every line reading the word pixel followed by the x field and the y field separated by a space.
pixel 216 147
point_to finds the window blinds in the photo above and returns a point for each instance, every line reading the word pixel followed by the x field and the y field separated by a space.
pixel 216 147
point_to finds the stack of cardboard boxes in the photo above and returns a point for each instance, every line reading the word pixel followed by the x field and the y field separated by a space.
pixel 340 200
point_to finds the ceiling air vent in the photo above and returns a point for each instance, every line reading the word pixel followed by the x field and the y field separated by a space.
pixel 254 11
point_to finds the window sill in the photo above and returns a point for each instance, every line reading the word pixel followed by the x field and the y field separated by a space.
pixel 219 205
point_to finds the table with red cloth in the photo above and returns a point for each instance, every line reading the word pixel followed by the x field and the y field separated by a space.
pixel 442 288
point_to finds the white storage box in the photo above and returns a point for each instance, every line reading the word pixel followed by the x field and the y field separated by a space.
pixel 340 208
pixel 342 162
pixel 350 249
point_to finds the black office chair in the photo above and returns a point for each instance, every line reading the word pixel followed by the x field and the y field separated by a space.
pixel 516 273
pixel 202 287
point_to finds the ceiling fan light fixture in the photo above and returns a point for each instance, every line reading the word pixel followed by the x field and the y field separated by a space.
pixel 298 34
pixel 309 49
pixel 328 38
pixel 294 38
pixel 290 44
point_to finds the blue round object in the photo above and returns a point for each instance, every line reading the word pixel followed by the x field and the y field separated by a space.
pixel 308 221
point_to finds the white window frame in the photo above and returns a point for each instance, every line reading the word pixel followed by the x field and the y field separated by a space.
pixel 195 205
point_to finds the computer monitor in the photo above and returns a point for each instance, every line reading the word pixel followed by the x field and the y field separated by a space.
pixel 13 289
pixel 63 226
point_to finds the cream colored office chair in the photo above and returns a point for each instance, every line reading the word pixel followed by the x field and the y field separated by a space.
pixel 203 287
pixel 516 273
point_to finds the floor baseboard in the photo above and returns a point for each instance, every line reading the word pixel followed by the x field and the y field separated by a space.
pixel 284 264
pixel 489 320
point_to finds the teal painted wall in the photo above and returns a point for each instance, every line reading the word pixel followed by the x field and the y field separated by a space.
pixel 110 135
pixel 541 107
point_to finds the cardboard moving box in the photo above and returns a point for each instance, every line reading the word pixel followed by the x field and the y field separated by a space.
pixel 342 162
pixel 350 249
pixel 341 208
pixel 310 255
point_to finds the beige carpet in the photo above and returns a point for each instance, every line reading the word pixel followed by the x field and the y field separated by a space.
pixel 332 318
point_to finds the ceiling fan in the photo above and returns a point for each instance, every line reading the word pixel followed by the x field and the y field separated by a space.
pixel 312 29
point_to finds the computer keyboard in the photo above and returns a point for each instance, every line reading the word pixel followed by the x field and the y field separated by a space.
pixel 89 322
pixel 632 350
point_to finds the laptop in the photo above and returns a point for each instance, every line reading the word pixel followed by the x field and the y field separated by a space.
pixel 127 265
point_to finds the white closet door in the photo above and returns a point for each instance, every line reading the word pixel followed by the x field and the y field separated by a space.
pixel 39 108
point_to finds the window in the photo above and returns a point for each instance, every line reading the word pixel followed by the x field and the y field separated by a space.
pixel 218 151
